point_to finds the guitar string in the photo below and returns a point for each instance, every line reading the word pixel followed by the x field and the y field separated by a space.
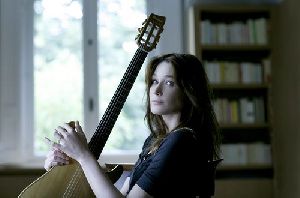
pixel 70 188
pixel 73 184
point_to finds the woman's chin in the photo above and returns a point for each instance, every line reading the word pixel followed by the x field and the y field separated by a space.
pixel 156 112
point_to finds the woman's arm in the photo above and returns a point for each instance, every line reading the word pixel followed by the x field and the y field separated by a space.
pixel 97 178
pixel 137 191
pixel 102 186
pixel 125 186
pixel 74 145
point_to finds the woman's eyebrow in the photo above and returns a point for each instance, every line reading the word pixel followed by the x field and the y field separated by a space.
pixel 169 76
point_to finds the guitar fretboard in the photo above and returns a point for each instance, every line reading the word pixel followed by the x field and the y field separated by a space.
pixel 115 106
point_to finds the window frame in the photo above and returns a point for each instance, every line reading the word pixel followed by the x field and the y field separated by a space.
pixel 16 101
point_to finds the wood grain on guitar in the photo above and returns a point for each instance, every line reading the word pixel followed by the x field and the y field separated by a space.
pixel 69 180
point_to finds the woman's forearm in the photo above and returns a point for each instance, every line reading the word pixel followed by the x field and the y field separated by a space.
pixel 99 182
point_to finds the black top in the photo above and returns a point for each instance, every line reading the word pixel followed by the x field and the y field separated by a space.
pixel 178 167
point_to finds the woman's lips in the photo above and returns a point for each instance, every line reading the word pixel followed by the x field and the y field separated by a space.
pixel 156 102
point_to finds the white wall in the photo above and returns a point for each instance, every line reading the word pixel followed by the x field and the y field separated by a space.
pixel 11 77
pixel 172 36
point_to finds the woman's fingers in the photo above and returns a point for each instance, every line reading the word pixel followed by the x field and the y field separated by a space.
pixel 58 135
pixel 78 127
pixel 65 130
pixel 67 127
pixel 55 158
pixel 72 141
pixel 53 144
pixel 80 131
pixel 62 131
pixel 51 162
pixel 67 143
pixel 58 155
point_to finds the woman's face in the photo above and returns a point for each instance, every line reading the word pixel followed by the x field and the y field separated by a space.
pixel 165 95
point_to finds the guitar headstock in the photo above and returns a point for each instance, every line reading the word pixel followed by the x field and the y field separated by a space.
pixel 149 34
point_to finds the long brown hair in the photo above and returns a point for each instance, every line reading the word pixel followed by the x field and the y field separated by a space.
pixel 198 113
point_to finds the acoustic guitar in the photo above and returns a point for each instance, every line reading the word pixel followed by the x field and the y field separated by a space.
pixel 69 180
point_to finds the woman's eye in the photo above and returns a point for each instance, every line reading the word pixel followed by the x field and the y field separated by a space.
pixel 154 81
pixel 171 83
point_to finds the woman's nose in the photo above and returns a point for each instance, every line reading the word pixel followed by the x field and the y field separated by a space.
pixel 158 90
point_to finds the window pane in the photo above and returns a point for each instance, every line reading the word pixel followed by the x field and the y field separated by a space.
pixel 58 78
pixel 118 23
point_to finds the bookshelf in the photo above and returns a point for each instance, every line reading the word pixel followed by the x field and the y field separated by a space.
pixel 234 44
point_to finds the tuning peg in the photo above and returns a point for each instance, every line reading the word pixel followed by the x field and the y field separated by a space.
pixel 140 30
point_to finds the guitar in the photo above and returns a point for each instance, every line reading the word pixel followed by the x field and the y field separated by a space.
pixel 69 180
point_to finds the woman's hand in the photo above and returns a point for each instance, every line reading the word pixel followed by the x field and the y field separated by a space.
pixel 55 157
pixel 71 142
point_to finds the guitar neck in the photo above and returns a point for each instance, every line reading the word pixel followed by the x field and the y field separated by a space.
pixel 115 106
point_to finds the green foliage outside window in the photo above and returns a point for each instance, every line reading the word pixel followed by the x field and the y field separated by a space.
pixel 58 67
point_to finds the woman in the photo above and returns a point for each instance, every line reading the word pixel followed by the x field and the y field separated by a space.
pixel 184 136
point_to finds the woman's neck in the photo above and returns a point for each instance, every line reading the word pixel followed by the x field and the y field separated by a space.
pixel 172 121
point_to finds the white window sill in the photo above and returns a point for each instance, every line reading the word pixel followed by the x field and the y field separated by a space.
pixel 117 157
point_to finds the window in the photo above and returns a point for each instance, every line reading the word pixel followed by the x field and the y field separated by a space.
pixel 58 78
pixel 59 68
pixel 20 118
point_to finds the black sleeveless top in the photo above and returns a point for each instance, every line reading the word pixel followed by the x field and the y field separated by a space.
pixel 177 168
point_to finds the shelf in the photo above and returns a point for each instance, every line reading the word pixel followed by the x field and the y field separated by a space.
pixel 245 133
pixel 234 86
pixel 237 9
pixel 244 126
pixel 234 52
pixel 244 171
pixel 235 40
pixel 238 47
pixel 235 91
pixel 244 167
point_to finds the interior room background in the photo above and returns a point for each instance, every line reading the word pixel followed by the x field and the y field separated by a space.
pixel 20 164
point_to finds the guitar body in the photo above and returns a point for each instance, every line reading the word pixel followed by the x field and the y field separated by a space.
pixel 58 183
pixel 65 181
pixel 69 180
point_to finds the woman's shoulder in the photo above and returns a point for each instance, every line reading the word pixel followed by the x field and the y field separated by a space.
pixel 183 132
pixel 180 136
